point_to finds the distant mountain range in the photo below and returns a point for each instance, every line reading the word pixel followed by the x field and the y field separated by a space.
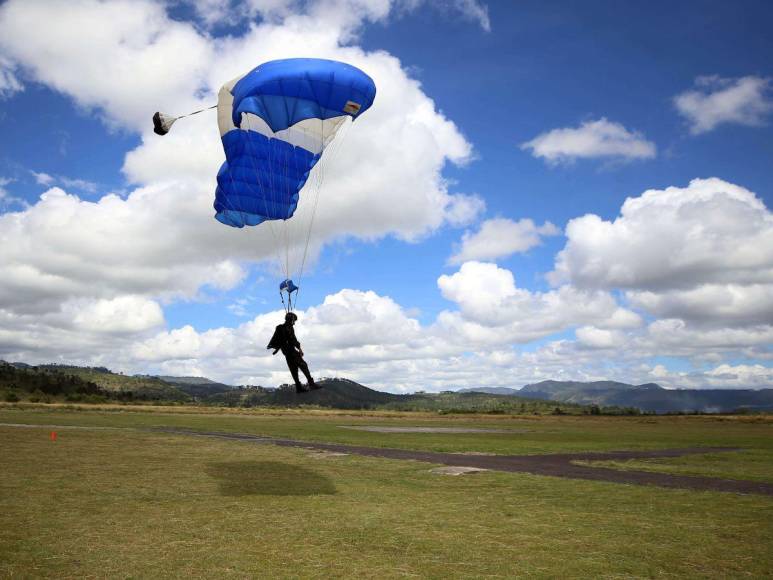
pixel 649 397
pixel 55 383
pixel 20 381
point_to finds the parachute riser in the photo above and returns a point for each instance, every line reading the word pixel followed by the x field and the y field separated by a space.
pixel 288 286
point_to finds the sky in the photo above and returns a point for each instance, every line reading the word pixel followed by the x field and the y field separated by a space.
pixel 541 190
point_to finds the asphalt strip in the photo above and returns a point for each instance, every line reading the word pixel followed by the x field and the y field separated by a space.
pixel 554 465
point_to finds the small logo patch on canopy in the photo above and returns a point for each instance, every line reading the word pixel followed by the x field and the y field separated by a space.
pixel 352 107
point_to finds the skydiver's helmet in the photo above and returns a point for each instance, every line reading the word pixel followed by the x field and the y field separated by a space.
pixel 290 317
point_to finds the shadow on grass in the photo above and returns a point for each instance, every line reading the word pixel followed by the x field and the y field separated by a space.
pixel 238 478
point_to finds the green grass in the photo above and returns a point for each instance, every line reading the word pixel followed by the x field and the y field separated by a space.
pixel 529 435
pixel 129 503
pixel 751 464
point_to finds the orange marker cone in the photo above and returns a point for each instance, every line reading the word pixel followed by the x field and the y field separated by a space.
pixel 53 435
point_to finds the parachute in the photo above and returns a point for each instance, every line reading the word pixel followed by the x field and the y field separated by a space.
pixel 275 123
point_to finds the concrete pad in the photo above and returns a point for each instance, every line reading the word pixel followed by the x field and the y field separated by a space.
pixel 325 454
pixel 455 470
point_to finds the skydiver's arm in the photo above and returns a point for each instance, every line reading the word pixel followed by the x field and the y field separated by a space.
pixel 293 340
pixel 276 341
pixel 296 343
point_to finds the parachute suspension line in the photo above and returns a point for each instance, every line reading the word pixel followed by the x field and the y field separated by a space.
pixel 296 226
pixel 290 228
pixel 199 111
pixel 287 223
pixel 328 154
pixel 230 206
pixel 284 191
pixel 285 138
pixel 287 307
pixel 319 177
pixel 276 235
pixel 317 187
pixel 251 138
pixel 260 185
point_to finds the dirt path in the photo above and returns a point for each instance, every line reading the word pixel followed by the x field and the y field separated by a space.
pixel 556 465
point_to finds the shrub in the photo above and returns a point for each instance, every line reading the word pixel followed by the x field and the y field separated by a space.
pixel 37 396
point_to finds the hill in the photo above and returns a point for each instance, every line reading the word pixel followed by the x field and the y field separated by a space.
pixel 337 393
pixel 24 382
pixel 342 393
pixel 476 402
pixel 492 390
pixel 651 397
pixel 23 379
pixel 197 387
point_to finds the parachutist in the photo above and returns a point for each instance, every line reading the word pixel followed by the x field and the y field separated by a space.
pixel 276 122
pixel 284 339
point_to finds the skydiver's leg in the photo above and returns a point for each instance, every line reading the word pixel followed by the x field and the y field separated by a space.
pixel 305 368
pixel 292 364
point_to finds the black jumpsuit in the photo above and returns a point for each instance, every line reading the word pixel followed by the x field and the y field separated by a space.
pixel 285 340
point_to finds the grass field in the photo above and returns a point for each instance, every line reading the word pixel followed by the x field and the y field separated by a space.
pixel 127 502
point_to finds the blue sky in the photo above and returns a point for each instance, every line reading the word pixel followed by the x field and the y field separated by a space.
pixel 509 135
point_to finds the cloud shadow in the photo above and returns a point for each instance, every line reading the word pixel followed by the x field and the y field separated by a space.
pixel 240 478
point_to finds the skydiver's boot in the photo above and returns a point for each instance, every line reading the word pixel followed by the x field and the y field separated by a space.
pixel 299 388
pixel 305 368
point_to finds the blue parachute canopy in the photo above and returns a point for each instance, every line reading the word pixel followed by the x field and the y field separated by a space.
pixel 275 122
pixel 283 92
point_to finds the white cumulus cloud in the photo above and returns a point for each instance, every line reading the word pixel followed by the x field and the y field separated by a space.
pixel 349 12
pixel 732 304
pixel 600 338
pixel 124 57
pixel 592 139
pixel 501 237
pixel 741 376
pixel 80 185
pixel 716 101
pixel 9 82
pixel 64 247
pixel 711 231
pixel 492 309
pixel 124 314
